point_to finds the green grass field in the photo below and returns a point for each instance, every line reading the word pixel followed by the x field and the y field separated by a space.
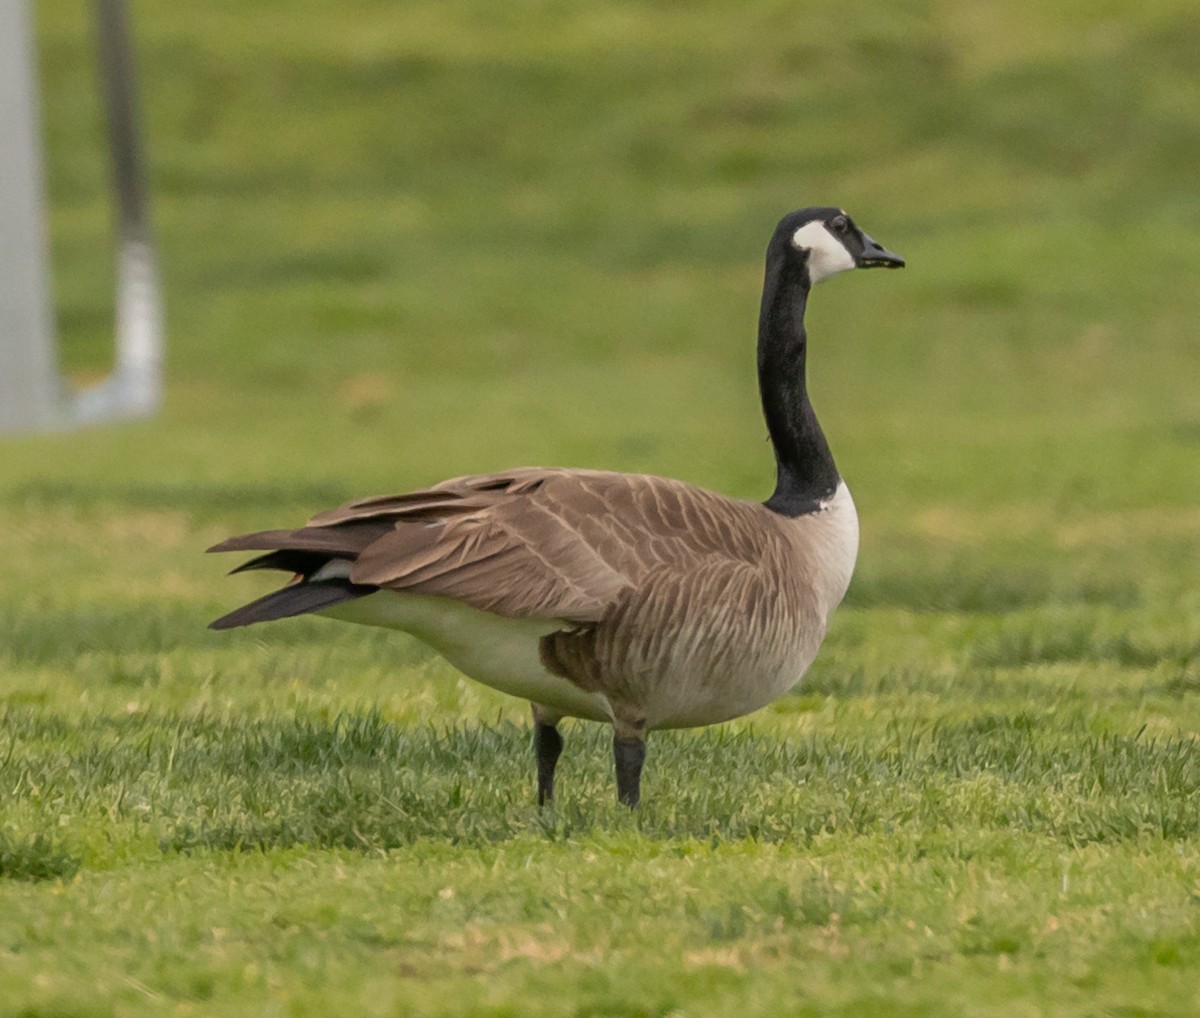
pixel 402 242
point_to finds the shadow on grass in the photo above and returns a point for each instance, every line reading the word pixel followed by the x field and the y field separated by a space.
pixel 357 782
pixel 44 635
pixel 113 643
pixel 1080 637
pixel 126 643
pixel 35 857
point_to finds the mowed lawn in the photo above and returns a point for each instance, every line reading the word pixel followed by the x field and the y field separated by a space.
pixel 406 241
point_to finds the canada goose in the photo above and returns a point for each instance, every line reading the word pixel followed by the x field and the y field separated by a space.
pixel 636 600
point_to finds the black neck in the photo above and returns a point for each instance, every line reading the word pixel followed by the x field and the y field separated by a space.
pixel 805 471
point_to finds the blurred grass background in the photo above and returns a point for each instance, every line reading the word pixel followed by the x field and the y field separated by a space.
pixel 411 239
pixel 405 241
pixel 402 242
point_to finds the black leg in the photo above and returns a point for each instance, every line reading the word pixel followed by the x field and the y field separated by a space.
pixel 547 743
pixel 630 754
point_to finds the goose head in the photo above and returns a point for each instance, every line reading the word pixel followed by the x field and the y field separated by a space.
pixel 827 241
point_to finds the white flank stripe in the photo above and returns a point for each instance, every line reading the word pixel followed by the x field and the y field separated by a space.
pixel 334 569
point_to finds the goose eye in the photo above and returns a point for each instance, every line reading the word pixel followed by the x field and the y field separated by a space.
pixel 839 224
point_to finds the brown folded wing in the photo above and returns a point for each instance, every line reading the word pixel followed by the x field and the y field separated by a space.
pixel 534 542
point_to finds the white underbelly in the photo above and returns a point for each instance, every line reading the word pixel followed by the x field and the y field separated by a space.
pixel 500 652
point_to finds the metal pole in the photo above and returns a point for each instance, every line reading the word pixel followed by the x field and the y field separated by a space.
pixel 29 391
pixel 135 387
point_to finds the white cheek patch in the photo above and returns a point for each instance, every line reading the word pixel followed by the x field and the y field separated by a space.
pixel 827 256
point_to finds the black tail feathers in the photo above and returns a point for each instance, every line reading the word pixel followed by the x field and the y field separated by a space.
pixel 296 599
